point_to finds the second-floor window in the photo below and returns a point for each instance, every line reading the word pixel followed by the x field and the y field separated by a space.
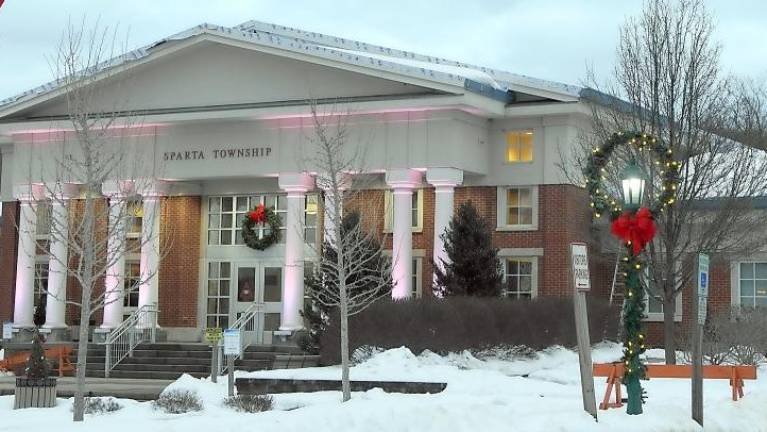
pixel 519 146
pixel 416 211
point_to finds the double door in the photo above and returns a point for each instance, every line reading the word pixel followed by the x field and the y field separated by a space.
pixel 258 293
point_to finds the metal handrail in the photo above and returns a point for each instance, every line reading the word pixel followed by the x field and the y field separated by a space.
pixel 140 326
pixel 246 317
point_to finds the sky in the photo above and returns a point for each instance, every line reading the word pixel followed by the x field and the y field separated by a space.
pixel 550 39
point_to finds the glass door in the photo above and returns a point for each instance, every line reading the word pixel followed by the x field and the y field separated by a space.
pixel 272 299
pixel 247 295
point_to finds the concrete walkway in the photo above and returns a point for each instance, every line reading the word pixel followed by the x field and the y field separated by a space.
pixel 139 389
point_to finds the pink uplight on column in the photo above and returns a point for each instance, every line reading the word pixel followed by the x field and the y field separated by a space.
pixel 23 305
pixel 296 185
pixel 55 308
pixel 444 181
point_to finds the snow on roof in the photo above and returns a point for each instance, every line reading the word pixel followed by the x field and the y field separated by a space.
pixel 334 48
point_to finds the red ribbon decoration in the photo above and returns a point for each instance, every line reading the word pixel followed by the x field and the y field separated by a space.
pixel 639 228
pixel 258 215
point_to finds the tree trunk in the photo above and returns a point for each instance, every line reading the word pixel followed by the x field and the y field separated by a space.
pixel 78 411
pixel 345 384
pixel 669 343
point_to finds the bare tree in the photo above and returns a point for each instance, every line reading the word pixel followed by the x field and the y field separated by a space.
pixel 98 145
pixel 352 271
pixel 667 83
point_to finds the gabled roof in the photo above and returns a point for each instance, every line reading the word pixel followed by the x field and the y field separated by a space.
pixel 487 82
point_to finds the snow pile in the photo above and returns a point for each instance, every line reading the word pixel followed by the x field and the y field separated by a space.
pixel 507 390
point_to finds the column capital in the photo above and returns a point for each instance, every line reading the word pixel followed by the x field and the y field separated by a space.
pixel 444 177
pixel 118 188
pixel 296 182
pixel 151 188
pixel 29 192
pixel 403 179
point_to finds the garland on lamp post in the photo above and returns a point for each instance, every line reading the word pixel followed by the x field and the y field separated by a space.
pixel 636 228
pixel 260 216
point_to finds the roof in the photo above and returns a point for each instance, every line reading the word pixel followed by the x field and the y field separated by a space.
pixel 486 81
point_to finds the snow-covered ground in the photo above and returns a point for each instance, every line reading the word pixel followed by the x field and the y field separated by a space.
pixel 482 395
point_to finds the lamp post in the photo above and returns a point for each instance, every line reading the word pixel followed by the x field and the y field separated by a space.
pixel 633 182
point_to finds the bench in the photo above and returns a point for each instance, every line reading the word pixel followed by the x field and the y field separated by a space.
pixel 59 355
pixel 614 374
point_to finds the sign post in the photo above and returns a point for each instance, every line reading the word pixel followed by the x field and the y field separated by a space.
pixel 213 337
pixel 579 261
pixel 700 302
pixel 7 326
pixel 232 349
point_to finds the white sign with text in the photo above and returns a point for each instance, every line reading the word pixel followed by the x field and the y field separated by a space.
pixel 580 263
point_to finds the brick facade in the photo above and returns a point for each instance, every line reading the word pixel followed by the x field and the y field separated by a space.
pixel 8 245
pixel 180 257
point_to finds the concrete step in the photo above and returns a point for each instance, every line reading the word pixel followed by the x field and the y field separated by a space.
pixel 162 368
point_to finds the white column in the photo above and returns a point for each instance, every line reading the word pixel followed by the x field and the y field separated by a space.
pixel 444 181
pixel 150 250
pixel 402 183
pixel 114 280
pixel 344 182
pixel 56 306
pixel 296 185
pixel 23 306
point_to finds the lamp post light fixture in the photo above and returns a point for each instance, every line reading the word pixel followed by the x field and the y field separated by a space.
pixel 633 183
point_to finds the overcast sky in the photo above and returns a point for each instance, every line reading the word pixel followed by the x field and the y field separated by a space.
pixel 551 39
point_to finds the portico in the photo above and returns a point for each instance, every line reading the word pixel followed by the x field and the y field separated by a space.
pixel 211 147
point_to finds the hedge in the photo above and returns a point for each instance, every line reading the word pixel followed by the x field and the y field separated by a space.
pixel 467 323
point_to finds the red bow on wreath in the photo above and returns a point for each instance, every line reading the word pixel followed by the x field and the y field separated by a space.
pixel 639 228
pixel 258 215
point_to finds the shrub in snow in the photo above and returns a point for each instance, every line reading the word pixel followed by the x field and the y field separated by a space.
pixel 178 402
pixel 364 353
pixel 474 324
pixel 250 403
pixel 97 405
pixel 735 336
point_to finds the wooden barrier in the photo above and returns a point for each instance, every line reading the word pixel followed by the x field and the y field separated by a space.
pixel 614 374
pixel 60 355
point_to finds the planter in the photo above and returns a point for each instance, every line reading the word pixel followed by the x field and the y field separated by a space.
pixel 35 393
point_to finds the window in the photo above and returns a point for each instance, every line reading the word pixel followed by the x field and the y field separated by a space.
pixel 135 211
pixel 753 284
pixel 41 284
pixel 417 277
pixel 131 283
pixel 517 208
pixel 519 278
pixel 217 307
pixel 43 219
pixel 226 214
pixel 654 305
pixel 416 211
pixel 519 146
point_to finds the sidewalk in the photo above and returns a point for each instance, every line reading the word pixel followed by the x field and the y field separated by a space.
pixel 138 389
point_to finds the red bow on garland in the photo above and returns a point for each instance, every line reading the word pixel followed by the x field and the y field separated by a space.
pixel 258 215
pixel 639 228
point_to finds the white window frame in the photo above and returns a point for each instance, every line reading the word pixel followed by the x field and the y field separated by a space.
pixel 523 254
pixel 658 316
pixel 736 279
pixel 389 210
pixel 417 258
pixel 501 209
pixel 506 146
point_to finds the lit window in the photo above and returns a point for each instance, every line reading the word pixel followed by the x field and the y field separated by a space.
pixel 753 284
pixel 43 219
pixel 519 278
pixel 135 213
pixel 519 146
pixel 416 210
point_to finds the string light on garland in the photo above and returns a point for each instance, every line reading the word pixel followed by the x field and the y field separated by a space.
pixel 637 228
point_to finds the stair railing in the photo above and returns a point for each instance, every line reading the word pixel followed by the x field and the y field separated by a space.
pixel 247 324
pixel 139 327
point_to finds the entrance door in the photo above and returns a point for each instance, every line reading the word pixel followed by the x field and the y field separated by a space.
pixel 259 286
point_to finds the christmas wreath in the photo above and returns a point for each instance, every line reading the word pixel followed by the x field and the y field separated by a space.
pixel 636 229
pixel 261 216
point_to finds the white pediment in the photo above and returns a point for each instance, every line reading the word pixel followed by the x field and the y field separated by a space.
pixel 211 74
